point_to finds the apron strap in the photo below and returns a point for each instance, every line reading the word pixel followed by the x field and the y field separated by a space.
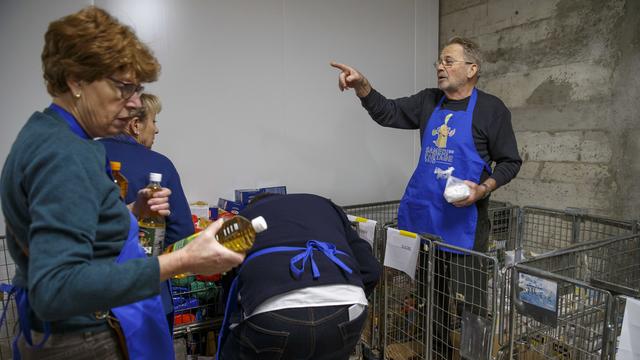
pixel 22 302
pixel 10 290
pixel 230 308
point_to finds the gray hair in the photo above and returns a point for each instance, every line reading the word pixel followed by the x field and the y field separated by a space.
pixel 472 51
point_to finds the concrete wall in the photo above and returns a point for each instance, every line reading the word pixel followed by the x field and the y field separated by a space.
pixel 568 70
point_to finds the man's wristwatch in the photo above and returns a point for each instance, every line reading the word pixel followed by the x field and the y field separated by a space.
pixel 487 190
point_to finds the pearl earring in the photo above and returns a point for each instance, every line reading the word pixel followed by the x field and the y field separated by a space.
pixel 77 95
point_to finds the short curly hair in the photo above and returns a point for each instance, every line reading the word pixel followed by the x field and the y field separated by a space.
pixel 91 45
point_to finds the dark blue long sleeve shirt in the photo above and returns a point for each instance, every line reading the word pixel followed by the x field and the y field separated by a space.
pixel 137 162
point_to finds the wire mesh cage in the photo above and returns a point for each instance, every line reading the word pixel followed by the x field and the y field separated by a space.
pixel 568 304
pixel 198 302
pixel 502 238
pixel 544 230
pixel 406 317
pixel 384 213
pixel 447 310
pixel 464 303
pixel 503 245
pixel 7 271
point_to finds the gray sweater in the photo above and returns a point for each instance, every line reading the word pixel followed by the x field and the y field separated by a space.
pixel 61 205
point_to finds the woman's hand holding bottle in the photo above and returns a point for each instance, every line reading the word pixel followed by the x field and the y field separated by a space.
pixel 204 255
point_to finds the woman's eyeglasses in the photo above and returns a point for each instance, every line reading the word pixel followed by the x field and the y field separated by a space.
pixel 127 90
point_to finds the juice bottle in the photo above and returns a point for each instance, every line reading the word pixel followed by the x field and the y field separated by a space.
pixel 152 224
pixel 237 234
pixel 118 178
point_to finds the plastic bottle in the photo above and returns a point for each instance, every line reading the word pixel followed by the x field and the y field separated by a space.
pixel 118 178
pixel 237 234
pixel 152 224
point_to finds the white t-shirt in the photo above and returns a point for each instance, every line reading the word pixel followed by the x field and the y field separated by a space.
pixel 314 296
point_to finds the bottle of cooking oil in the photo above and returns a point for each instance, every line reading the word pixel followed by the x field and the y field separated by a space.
pixel 152 224
pixel 118 178
pixel 237 234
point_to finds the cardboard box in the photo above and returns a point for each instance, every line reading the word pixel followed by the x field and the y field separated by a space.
pixel 243 196
pixel 230 206
pixel 282 190
pixel 403 351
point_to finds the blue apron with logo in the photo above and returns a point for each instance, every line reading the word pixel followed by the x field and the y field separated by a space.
pixel 297 266
pixel 447 142
pixel 143 323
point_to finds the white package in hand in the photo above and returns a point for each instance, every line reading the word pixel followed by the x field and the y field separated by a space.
pixel 456 190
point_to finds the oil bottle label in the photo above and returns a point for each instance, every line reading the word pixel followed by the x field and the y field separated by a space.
pixel 151 240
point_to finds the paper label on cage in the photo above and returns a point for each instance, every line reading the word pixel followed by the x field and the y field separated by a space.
pixel 627 349
pixel 538 298
pixel 366 228
pixel 401 251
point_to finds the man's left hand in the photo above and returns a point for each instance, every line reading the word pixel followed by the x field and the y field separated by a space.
pixel 477 193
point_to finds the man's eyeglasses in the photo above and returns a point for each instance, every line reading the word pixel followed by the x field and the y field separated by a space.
pixel 449 62
pixel 127 89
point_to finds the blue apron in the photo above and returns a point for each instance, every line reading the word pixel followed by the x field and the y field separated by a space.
pixel 143 323
pixel 327 249
pixel 447 142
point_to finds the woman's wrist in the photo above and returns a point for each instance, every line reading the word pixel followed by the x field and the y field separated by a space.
pixel 172 264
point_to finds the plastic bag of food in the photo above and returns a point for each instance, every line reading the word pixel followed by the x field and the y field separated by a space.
pixel 455 189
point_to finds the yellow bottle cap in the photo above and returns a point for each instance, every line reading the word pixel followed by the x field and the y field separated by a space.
pixel 115 165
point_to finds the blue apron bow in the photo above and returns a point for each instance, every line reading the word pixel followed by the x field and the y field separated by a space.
pixel 328 249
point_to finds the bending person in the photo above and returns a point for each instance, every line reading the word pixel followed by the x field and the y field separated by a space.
pixel 304 284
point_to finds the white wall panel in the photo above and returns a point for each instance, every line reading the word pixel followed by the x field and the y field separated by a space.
pixel 248 96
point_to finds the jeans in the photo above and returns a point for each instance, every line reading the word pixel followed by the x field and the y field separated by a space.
pixel 73 346
pixel 300 333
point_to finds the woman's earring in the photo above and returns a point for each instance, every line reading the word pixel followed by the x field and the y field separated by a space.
pixel 77 95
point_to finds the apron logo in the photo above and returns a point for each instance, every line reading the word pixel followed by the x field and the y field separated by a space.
pixel 444 132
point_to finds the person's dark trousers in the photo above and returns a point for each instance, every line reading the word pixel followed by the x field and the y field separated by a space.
pixel 319 333
pixel 441 298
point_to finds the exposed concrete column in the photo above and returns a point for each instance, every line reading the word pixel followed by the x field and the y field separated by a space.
pixel 568 70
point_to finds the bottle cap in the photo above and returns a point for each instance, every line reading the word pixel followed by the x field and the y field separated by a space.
pixel 115 165
pixel 259 224
pixel 155 177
